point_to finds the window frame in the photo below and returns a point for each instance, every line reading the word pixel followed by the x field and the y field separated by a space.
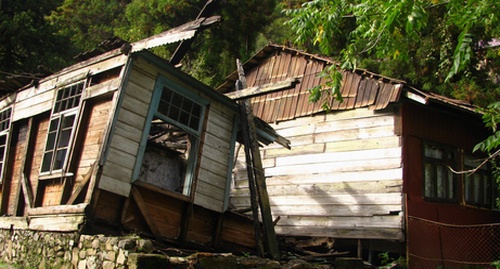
pixel 163 82
pixel 440 167
pixel 5 132
pixel 485 183
pixel 59 115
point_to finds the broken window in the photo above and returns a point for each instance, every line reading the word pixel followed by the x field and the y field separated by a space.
pixel 439 181
pixel 61 128
pixel 4 138
pixel 173 142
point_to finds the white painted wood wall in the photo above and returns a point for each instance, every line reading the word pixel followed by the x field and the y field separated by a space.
pixel 211 184
pixel 342 178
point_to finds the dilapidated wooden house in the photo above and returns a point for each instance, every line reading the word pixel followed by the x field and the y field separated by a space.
pixel 372 173
pixel 122 142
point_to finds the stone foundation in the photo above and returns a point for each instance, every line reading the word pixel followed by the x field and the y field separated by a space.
pixel 34 249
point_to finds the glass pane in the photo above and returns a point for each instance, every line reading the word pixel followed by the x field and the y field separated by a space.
pixel 194 123
pixel 51 141
pixel 64 138
pixel 477 188
pixel 59 161
pixel 429 183
pixel 433 152
pixel 47 160
pixel 451 184
pixel 2 153
pixel 68 121
pixel 440 181
pixel 468 188
pixel 487 190
pixel 53 125
pixel 2 139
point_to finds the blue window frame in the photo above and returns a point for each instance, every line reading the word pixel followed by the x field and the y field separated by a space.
pixel 175 122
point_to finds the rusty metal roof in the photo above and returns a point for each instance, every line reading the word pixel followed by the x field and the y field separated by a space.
pixel 360 88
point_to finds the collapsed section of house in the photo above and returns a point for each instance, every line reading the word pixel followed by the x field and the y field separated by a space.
pixel 124 141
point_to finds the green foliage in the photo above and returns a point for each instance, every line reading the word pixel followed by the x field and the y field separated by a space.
pixel 491 119
pixel 88 23
pixel 435 45
pixel 27 40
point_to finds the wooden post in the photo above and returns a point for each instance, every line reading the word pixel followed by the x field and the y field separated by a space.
pixel 254 164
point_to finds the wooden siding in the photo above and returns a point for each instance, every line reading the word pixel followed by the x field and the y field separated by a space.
pixel 35 100
pixel 210 183
pixel 342 178
pixel 211 186
pixel 128 128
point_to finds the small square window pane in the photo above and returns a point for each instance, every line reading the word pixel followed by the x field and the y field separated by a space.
pixel 47 160
pixel 59 161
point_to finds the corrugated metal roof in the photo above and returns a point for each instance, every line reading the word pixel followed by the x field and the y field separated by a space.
pixel 360 88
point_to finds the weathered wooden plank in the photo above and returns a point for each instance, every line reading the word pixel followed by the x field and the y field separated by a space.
pixel 126 159
pixel 262 89
pixel 7 223
pixel 336 211
pixel 124 144
pixel 210 189
pixel 128 131
pixel 82 184
pixel 102 88
pixel 333 126
pixel 208 202
pixel 221 144
pixel 115 186
pixel 57 210
pixel 65 223
pixel 361 233
pixel 145 212
pixel 27 191
pixel 340 166
pixel 359 155
pixel 295 150
pixel 131 118
pixel 387 221
pixel 359 144
pixel 214 165
pixel 211 177
pixel 31 107
pixel 327 200
pixel 133 104
pixel 278 187
pixel 142 94
pixel 353 134
pixel 116 170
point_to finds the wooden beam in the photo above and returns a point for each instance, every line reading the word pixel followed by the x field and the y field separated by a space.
pixel 82 184
pixel 260 90
pixel 28 193
pixel 145 211
pixel 252 150
pixel 58 210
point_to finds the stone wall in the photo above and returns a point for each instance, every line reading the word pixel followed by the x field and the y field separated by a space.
pixel 34 249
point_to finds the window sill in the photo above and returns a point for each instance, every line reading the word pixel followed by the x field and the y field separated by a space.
pixel 56 175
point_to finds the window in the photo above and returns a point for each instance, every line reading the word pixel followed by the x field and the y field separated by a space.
pixel 176 126
pixel 4 138
pixel 478 187
pixel 440 183
pixel 61 128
